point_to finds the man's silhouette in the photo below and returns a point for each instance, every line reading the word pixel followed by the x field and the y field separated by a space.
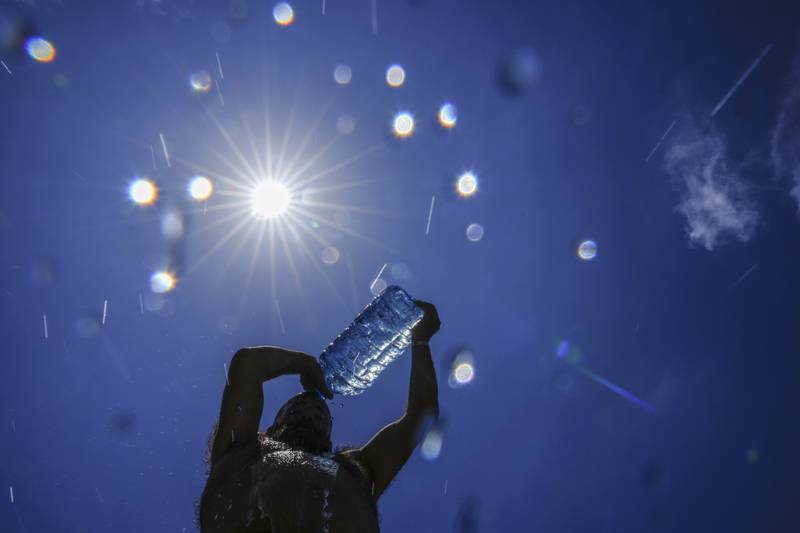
pixel 287 479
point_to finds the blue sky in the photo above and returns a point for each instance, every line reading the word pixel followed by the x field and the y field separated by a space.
pixel 690 304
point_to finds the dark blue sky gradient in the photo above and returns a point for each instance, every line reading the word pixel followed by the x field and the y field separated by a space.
pixel 541 446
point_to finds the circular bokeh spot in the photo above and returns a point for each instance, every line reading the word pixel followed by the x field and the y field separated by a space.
pixel 448 115
pixel 587 250
pixel 40 49
pixel 142 191
pixel 161 282
pixel 283 14
pixel 330 255
pixel 395 76
pixel 474 232
pixel 200 81
pixel 467 184
pixel 342 74
pixel 200 188
pixel 403 124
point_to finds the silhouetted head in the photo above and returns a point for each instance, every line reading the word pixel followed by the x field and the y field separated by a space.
pixel 304 422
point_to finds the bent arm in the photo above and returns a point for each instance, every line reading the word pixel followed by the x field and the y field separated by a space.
pixel 386 453
pixel 243 397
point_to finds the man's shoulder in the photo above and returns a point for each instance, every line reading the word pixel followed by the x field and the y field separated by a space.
pixel 233 462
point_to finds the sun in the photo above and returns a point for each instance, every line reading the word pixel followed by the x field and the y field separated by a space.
pixel 285 203
pixel 270 199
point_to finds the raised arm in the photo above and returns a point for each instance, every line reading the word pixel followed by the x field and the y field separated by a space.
pixel 243 397
pixel 386 453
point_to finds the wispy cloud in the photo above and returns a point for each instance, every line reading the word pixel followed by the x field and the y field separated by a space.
pixel 714 198
pixel 785 149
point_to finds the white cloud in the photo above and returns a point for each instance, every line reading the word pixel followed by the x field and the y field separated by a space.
pixel 714 198
pixel 785 149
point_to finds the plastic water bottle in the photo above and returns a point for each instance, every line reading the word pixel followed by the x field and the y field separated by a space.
pixel 377 336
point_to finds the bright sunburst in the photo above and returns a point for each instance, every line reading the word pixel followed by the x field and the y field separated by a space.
pixel 270 199
pixel 280 204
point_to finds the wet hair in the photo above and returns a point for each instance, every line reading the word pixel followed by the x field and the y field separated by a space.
pixel 310 441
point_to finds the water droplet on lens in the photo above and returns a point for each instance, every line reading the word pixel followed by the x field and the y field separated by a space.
pixel 474 232
pixel 520 71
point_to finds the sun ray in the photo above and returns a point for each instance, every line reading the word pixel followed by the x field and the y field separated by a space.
pixel 295 275
pixel 217 246
pixel 337 166
pixel 315 261
pixel 254 148
pixel 350 232
pixel 231 144
pixel 210 173
pixel 220 221
pixel 235 254
pixel 272 261
pixel 307 138
pixel 291 177
pixel 354 208
pixel 251 268
pixel 286 136
pixel 346 185
pixel 238 172
pixel 268 135
pixel 288 239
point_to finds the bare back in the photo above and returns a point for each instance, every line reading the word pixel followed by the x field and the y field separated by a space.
pixel 270 487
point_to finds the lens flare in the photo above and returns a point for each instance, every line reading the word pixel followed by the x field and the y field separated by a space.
pixel 448 116
pixel 562 349
pixel 475 232
pixel 201 188
pixel 463 373
pixel 467 184
pixel 283 14
pixel 395 76
pixel 342 74
pixel 432 445
pixel 330 255
pixel 142 191
pixel 200 81
pixel 40 49
pixel 403 124
pixel 462 370
pixel 346 124
pixel 269 199
pixel 172 226
pixel 154 302
pixel 161 282
pixel 587 250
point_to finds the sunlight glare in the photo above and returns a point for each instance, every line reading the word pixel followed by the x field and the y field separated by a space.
pixel 431 447
pixel 162 282
pixel 448 116
pixel 475 232
pixel 463 373
pixel 200 81
pixel 587 250
pixel 143 192
pixel 467 184
pixel 403 124
pixel 395 76
pixel 200 188
pixel 269 199
pixel 283 14
pixel 40 49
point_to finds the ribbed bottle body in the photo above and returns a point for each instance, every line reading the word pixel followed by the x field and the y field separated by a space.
pixel 377 336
